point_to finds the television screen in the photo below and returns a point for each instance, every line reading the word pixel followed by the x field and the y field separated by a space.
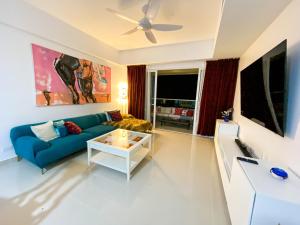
pixel 263 90
pixel 177 86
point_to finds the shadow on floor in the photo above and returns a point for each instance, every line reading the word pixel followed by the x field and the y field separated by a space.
pixel 33 206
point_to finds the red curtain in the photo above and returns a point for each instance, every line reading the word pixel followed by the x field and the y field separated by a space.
pixel 217 94
pixel 136 76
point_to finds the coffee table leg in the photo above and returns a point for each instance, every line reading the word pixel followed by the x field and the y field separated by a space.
pixel 150 147
pixel 89 155
pixel 128 167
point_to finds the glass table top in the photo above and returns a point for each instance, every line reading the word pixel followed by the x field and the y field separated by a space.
pixel 121 138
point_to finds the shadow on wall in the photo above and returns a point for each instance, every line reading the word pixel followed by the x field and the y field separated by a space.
pixel 293 105
pixel 34 205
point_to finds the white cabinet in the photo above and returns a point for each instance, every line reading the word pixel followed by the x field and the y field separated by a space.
pixel 253 196
pixel 276 201
pixel 226 149
pixel 241 196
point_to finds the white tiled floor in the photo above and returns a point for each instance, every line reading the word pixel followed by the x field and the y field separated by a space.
pixel 179 186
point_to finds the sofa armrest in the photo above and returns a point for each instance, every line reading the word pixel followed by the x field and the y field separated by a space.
pixel 28 145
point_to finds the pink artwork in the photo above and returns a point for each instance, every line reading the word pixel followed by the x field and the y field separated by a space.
pixel 62 79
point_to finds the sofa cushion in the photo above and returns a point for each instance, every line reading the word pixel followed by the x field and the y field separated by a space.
pixel 72 140
pixel 73 128
pixel 190 112
pixel 85 121
pixel 115 115
pixel 61 147
pixel 178 111
pixel 108 114
pixel 99 130
pixel 62 131
pixel 184 112
pixel 166 110
pixel 102 117
pixel 45 131
pixel 58 123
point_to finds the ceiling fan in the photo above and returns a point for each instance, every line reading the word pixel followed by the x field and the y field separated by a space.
pixel 145 24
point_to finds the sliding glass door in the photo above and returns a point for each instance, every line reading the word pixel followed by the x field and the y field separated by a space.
pixel 198 99
pixel 151 96
pixel 179 113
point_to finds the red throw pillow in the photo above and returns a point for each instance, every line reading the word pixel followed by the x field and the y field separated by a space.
pixel 72 128
pixel 115 115
pixel 190 112
pixel 178 111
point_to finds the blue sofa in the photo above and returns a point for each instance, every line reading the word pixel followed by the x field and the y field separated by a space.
pixel 42 153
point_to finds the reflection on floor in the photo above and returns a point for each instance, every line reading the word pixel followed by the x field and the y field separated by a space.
pixel 181 129
pixel 180 185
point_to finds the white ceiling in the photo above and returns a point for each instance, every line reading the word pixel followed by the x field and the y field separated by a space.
pixel 242 22
pixel 199 18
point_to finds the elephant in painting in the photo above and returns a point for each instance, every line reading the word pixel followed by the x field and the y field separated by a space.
pixel 66 66
pixel 85 75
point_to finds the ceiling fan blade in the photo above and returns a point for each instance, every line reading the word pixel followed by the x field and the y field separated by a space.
pixel 166 27
pixel 116 13
pixel 131 31
pixel 151 9
pixel 145 8
pixel 150 36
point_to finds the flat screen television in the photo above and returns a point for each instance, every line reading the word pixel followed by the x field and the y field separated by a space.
pixel 177 86
pixel 263 90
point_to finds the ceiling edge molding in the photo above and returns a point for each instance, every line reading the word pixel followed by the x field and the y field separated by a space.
pixel 242 22
pixel 199 50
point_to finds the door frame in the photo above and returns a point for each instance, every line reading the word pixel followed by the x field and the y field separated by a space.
pixel 199 64
pixel 198 99
pixel 148 105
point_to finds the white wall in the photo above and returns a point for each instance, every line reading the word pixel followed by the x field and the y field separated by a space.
pixel 16 70
pixel 199 50
pixel 271 146
pixel 19 14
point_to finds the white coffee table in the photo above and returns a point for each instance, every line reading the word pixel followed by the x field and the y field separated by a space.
pixel 121 150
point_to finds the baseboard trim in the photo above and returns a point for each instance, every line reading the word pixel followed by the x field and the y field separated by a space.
pixel 7 154
pixel 4 161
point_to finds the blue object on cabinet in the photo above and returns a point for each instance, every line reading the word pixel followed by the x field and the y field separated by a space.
pixel 279 173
